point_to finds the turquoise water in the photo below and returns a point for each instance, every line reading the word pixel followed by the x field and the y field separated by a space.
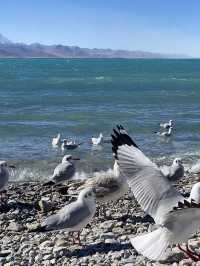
pixel 81 98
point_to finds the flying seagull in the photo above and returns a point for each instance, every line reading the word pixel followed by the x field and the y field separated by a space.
pixel 177 218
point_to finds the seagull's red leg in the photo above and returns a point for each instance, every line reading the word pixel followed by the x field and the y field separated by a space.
pixel 192 252
pixel 189 253
pixel 78 237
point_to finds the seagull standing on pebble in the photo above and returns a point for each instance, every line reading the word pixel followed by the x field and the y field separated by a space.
pixel 4 176
pixel 175 171
pixel 74 216
pixel 109 186
pixel 64 171
pixel 195 169
pixel 176 218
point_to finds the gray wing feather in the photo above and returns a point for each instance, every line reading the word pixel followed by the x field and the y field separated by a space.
pixel 152 190
pixel 68 217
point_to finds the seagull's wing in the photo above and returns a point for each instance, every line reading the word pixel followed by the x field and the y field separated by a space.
pixel 68 217
pixel 165 170
pixel 183 221
pixel 152 190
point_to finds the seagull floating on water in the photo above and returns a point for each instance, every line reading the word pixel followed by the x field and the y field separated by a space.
pixel 175 171
pixel 165 133
pixel 97 141
pixel 167 125
pixel 176 218
pixel 56 141
pixel 64 171
pixel 69 145
pixel 74 216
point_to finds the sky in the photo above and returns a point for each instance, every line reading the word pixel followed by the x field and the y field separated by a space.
pixel 165 26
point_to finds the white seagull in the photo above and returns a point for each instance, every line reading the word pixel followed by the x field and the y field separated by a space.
pixel 69 145
pixel 176 218
pixel 195 169
pixel 56 141
pixel 97 141
pixel 165 133
pixel 4 175
pixel 175 171
pixel 74 216
pixel 167 125
pixel 64 171
pixel 109 186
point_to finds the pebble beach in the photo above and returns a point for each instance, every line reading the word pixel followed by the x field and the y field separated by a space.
pixel 105 241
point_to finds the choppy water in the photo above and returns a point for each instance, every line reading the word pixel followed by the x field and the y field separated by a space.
pixel 80 98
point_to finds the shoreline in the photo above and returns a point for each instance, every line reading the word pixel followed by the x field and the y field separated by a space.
pixel 105 241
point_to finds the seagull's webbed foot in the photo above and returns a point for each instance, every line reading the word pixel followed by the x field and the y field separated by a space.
pixel 191 254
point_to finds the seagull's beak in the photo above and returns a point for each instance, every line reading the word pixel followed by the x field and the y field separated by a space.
pixel 12 166
pixel 75 158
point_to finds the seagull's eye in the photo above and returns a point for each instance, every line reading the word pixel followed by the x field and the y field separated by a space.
pixel 89 194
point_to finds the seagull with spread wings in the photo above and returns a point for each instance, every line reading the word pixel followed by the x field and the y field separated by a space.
pixel 176 218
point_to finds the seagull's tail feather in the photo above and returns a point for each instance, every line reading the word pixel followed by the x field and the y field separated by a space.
pixel 152 245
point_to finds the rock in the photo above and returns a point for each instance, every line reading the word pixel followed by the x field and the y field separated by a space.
pixel 45 204
pixel 111 241
pixel 46 244
pixel 14 226
pixel 107 236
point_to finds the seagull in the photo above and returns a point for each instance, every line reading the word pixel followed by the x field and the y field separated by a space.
pixel 176 218
pixel 74 216
pixel 4 175
pixel 109 186
pixel 97 141
pixel 64 171
pixel 69 145
pixel 175 171
pixel 195 169
pixel 167 125
pixel 165 133
pixel 56 141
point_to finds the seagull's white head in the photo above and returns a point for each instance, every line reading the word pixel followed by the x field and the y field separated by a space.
pixel 101 135
pixel 177 161
pixel 195 193
pixel 87 195
pixel 4 164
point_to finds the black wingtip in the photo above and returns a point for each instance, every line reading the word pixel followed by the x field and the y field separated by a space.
pixel 120 137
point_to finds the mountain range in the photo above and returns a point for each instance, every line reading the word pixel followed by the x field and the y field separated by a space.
pixel 9 49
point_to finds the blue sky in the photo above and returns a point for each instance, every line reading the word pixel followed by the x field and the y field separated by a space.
pixel 171 26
